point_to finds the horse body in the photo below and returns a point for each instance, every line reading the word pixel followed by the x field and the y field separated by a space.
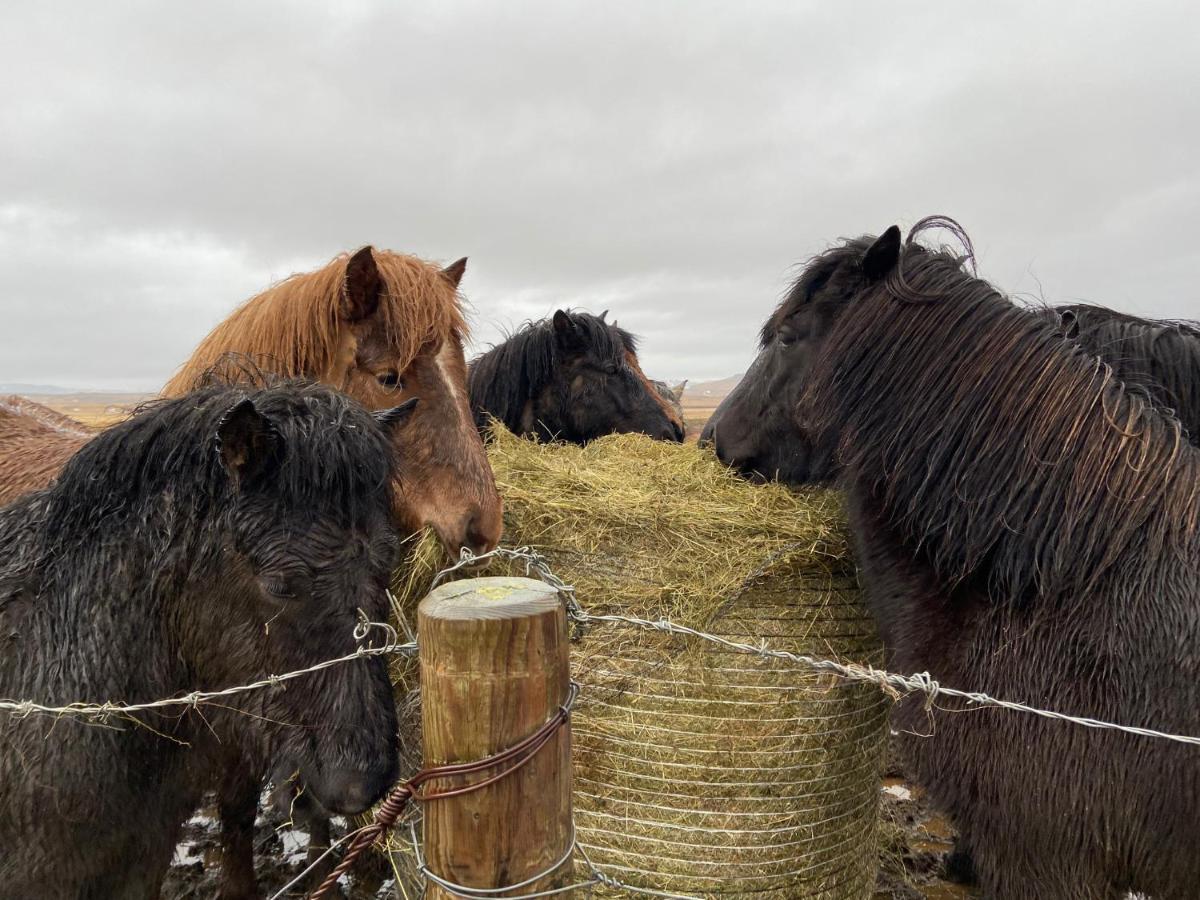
pixel 572 378
pixel 1027 526
pixel 206 542
pixel 35 443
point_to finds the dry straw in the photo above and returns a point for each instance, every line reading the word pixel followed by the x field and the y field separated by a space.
pixel 699 770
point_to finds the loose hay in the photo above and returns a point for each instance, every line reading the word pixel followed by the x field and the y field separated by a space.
pixel 700 770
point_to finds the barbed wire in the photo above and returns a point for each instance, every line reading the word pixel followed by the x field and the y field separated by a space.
pixel 193 699
pixel 890 682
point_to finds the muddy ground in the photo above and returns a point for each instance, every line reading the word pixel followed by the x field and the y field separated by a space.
pixel 915 842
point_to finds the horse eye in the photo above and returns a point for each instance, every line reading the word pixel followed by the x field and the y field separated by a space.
pixel 610 368
pixel 389 379
pixel 278 588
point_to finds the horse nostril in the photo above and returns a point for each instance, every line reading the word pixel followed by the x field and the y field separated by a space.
pixel 680 431
pixel 479 538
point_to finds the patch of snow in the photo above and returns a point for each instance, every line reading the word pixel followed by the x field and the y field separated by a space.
pixel 295 845
pixel 899 791
pixel 186 854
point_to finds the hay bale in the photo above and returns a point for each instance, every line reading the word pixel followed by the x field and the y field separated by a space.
pixel 700 770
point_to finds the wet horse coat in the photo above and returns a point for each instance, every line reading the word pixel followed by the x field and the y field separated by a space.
pixel 207 542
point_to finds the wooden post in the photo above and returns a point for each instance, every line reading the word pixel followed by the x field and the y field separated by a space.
pixel 494 668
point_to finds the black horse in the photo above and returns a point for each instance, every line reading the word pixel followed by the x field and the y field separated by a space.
pixel 209 541
pixel 1028 526
pixel 753 429
pixel 571 378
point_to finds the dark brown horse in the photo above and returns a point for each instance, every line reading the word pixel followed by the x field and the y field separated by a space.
pixel 207 542
pixel 754 429
pixel 573 378
pixel 1027 526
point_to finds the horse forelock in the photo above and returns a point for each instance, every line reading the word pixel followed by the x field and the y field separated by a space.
pixel 295 328
pixel 995 444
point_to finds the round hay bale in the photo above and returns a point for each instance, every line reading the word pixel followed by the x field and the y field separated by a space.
pixel 700 770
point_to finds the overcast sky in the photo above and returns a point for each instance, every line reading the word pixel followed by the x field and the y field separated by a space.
pixel 161 162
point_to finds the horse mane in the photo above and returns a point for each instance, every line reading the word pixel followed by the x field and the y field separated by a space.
pixel 514 371
pixel 938 382
pixel 294 327
pixel 1161 356
pixel 158 477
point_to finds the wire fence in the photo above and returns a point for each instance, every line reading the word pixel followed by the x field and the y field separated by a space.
pixel 895 685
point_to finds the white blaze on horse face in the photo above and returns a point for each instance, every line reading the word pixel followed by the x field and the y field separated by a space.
pixel 445 361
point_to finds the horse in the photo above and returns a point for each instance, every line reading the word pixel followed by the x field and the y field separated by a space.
pixel 1028 526
pixel 383 327
pixel 1162 356
pixel 35 442
pixel 573 378
pixel 208 541
pixel 752 429
pixel 673 396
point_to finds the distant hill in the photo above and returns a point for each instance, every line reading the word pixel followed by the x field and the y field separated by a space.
pixel 20 387
pixel 709 393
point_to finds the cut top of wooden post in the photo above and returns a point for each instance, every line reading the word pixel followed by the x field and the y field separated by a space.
pixel 490 598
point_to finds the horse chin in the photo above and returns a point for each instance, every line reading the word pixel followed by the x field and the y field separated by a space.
pixel 346 791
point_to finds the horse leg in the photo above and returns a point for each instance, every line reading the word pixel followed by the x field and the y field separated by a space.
pixel 238 807
pixel 319 839
pixel 960 863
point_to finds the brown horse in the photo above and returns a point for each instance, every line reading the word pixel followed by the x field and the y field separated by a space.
pixel 380 326
pixel 35 443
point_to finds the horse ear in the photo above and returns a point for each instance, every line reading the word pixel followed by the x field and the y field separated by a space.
pixel 566 331
pixel 882 255
pixel 453 273
pixel 603 314
pixel 679 389
pixel 360 293
pixel 246 441
pixel 391 419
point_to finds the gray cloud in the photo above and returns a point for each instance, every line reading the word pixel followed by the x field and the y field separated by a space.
pixel 668 161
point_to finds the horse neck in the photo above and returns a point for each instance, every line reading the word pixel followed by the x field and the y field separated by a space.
pixel 998 449
pixel 99 610
pixel 506 382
